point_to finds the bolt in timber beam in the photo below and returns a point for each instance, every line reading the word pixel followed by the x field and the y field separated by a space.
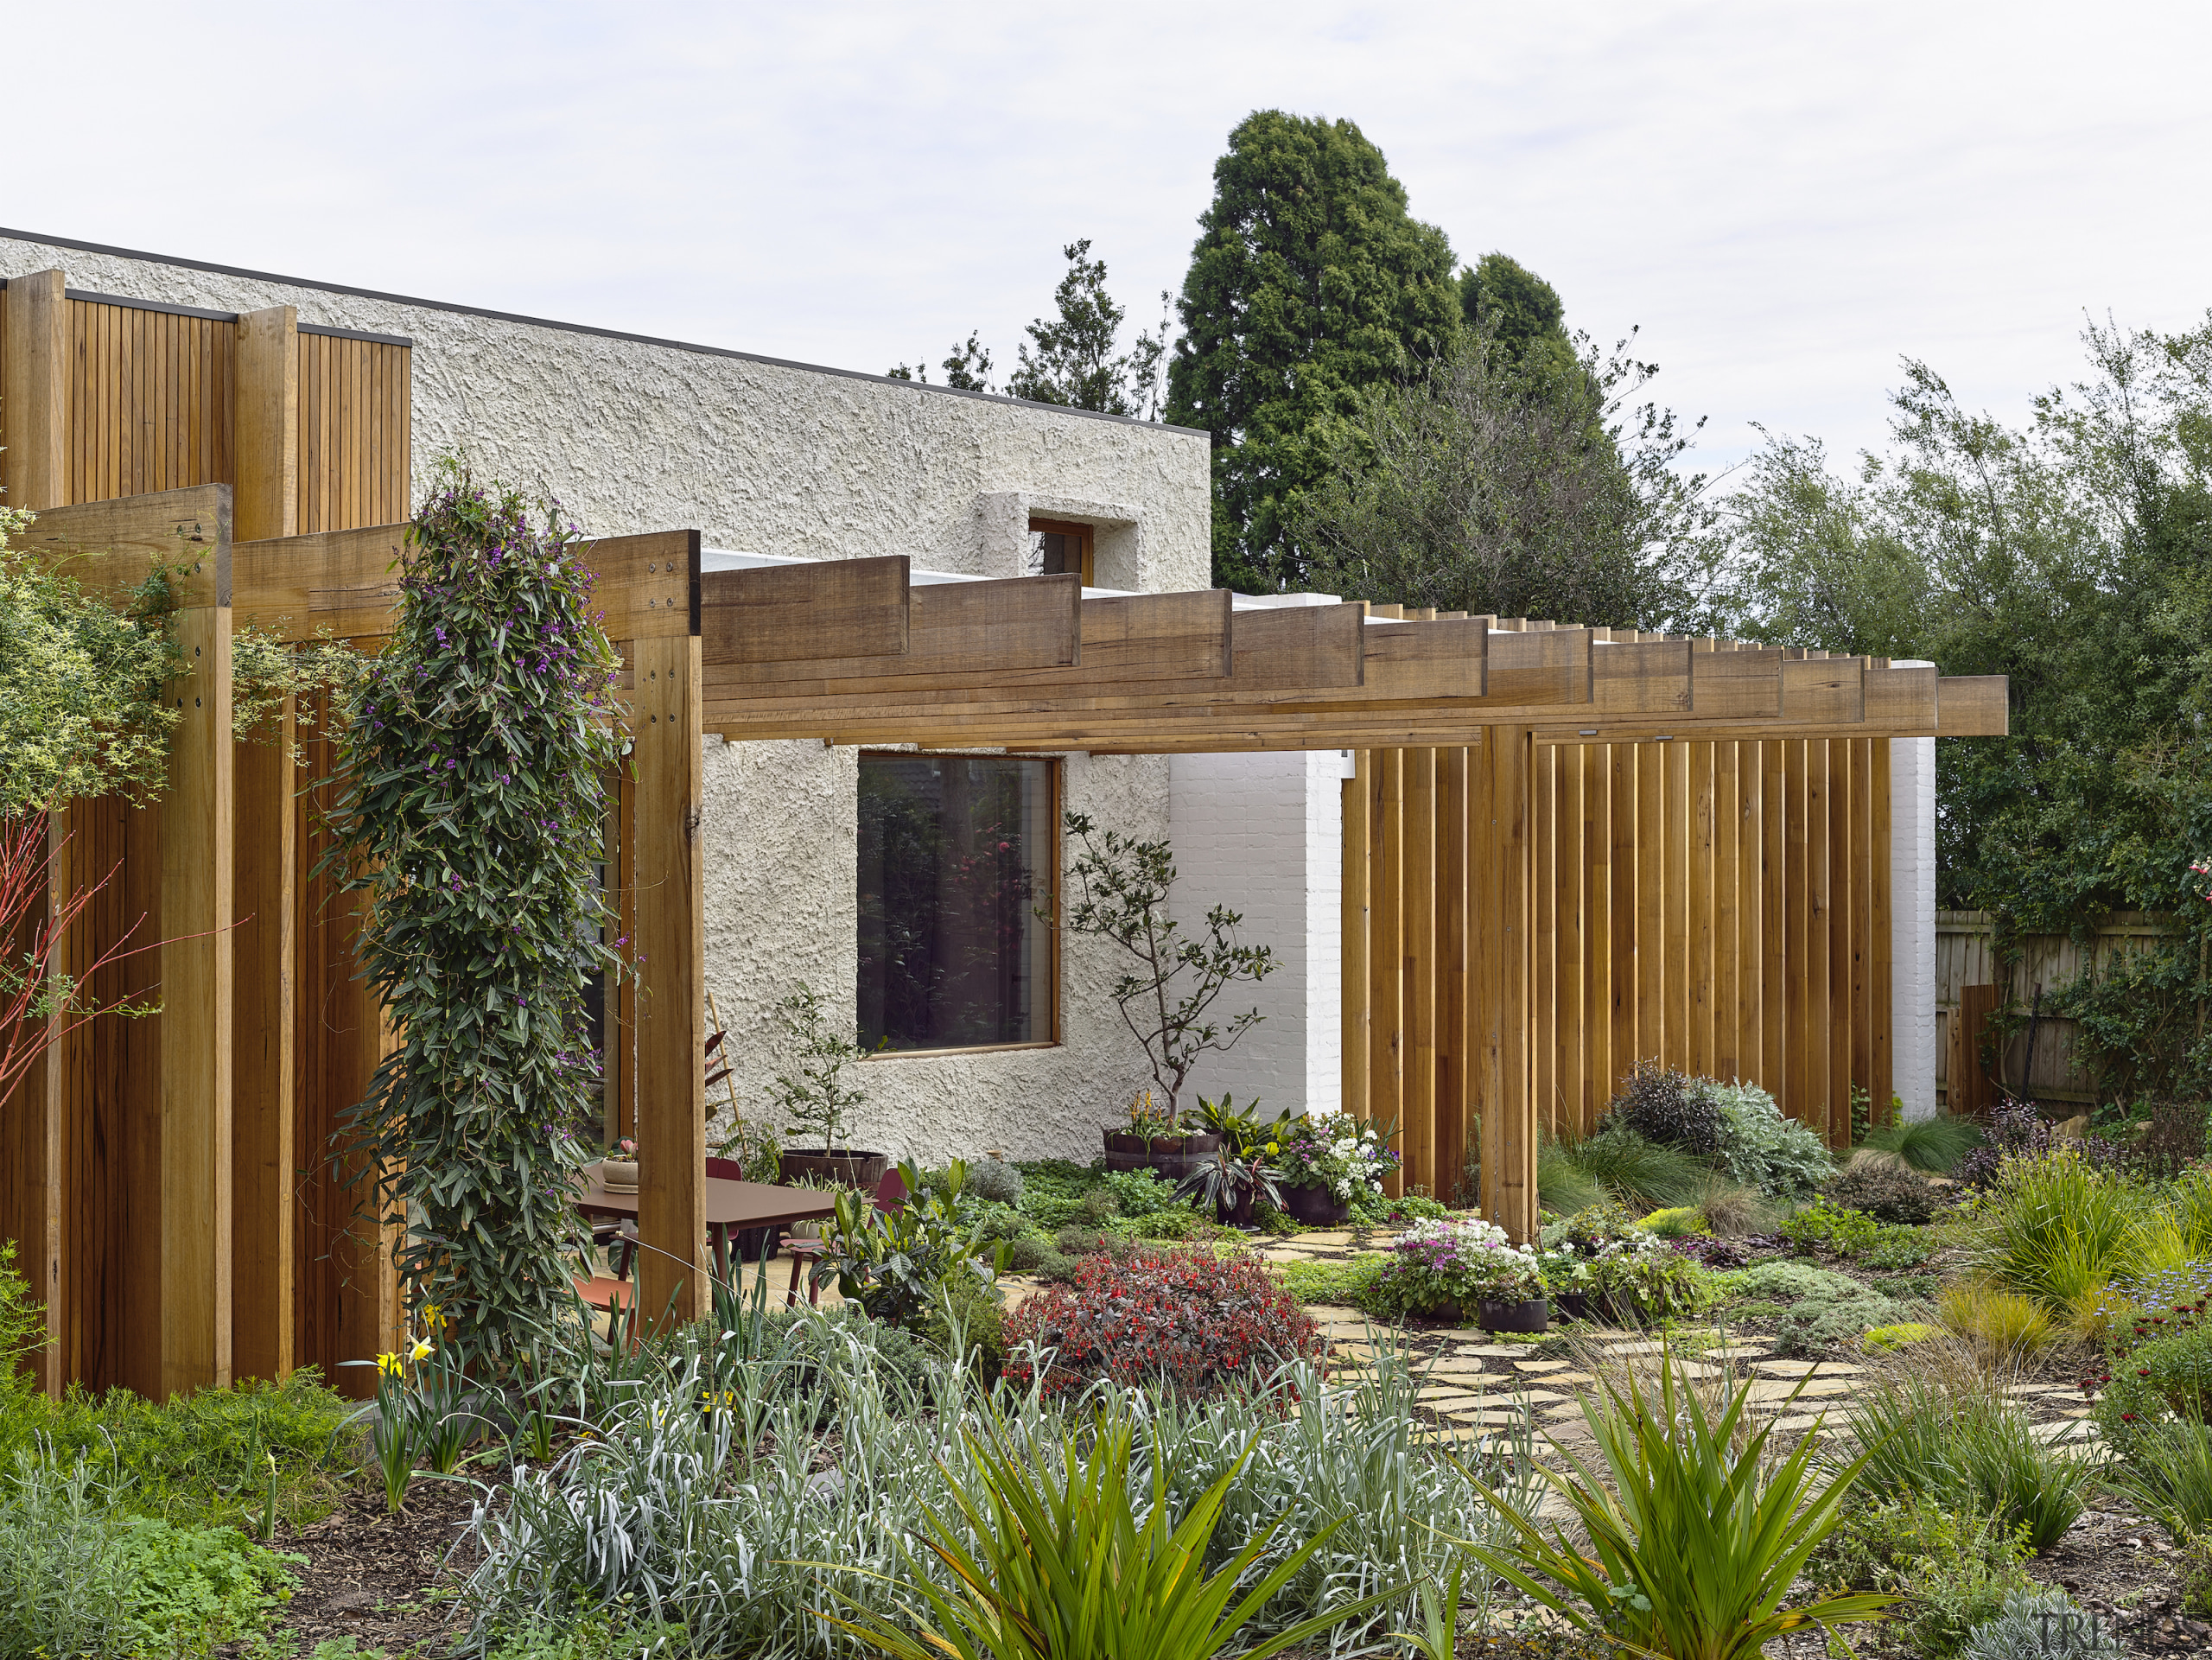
pixel 670 988
pixel 35 391
pixel 197 876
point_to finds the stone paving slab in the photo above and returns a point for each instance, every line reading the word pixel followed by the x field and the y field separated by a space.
pixel 1809 1368
pixel 1774 1389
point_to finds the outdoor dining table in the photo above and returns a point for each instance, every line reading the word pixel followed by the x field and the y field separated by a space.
pixel 731 1207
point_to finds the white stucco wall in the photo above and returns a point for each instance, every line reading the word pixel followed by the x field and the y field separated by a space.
pixel 1264 835
pixel 775 458
pixel 1912 922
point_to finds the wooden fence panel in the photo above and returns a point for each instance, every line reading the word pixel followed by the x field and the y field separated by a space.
pixel 1967 956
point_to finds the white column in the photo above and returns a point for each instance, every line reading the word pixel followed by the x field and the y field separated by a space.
pixel 1912 921
pixel 1262 834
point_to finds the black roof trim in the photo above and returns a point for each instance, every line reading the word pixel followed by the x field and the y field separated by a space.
pixel 569 329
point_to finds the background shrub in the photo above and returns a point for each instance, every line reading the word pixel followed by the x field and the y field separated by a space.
pixel 1638 1173
pixel 1946 1432
pixel 1763 1148
pixel 1781 1281
pixel 1956 1569
pixel 1822 1325
pixel 1936 1145
pixel 1198 1323
pixel 994 1181
pixel 1825 1225
pixel 2041 1625
pixel 2167 1375
pixel 1885 1189
pixel 1668 1108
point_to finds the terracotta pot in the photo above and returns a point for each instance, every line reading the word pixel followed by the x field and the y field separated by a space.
pixel 1530 1314
pixel 1315 1206
pixel 1171 1157
pixel 842 1164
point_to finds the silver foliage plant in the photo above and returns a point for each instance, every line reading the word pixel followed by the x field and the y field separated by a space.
pixel 707 1498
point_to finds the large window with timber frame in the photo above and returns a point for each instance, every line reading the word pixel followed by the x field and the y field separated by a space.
pixel 956 857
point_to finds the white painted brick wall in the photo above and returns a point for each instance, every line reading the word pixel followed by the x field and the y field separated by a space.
pixel 1264 835
pixel 1912 921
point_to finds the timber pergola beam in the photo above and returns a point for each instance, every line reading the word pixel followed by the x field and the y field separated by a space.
pixel 855 652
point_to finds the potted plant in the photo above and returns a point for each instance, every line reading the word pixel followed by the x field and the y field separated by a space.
pixel 1618 1269
pixel 618 1171
pixel 1170 982
pixel 1156 1141
pixel 1230 1185
pixel 1327 1159
pixel 1454 1269
pixel 814 1100
pixel 1569 1283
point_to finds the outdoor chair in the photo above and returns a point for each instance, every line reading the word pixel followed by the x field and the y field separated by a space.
pixel 618 1301
pixel 890 1194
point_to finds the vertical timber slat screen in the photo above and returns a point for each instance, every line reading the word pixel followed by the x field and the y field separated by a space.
pixel 149 399
pixel 1720 906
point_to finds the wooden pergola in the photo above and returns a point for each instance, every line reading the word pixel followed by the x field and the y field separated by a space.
pixel 168 1178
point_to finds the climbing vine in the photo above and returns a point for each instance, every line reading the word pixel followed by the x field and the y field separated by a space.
pixel 468 807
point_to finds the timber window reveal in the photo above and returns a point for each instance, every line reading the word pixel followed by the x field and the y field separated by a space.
pixel 1059 548
pixel 956 857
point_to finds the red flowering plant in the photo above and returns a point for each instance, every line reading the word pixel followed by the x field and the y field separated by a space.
pixel 1198 1323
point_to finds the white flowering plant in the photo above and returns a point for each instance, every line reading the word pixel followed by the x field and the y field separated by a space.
pixel 1333 1149
pixel 1464 1262
pixel 1604 1251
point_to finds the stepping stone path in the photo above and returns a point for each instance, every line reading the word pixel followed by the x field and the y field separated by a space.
pixel 1809 1368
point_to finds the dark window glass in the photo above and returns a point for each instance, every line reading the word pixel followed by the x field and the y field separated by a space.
pixel 955 857
pixel 1050 554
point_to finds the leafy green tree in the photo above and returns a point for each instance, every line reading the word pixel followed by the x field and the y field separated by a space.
pixel 1528 489
pixel 966 368
pixel 1309 285
pixel 2070 555
pixel 1506 301
pixel 1075 362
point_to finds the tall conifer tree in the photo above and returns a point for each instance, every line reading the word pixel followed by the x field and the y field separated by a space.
pixel 1310 282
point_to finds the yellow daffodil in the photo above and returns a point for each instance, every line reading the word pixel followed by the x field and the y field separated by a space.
pixel 388 1365
pixel 421 1351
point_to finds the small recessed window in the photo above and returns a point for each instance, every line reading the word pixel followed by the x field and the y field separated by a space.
pixel 1059 548
pixel 956 856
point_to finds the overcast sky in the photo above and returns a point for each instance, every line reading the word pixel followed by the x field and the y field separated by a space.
pixel 1786 197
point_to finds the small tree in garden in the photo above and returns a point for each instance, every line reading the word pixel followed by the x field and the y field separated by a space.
pixel 469 806
pixel 1123 885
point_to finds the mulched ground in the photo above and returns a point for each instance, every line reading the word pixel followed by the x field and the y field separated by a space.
pixel 383 1579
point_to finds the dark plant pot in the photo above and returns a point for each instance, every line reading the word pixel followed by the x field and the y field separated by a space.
pixel 1532 1315
pixel 1442 1313
pixel 1571 1305
pixel 862 1171
pixel 1171 1157
pixel 1314 1205
pixel 1236 1215
pixel 1621 1308
pixel 755 1244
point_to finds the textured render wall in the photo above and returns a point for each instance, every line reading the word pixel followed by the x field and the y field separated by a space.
pixel 1912 922
pixel 1263 834
pixel 761 457
pixel 779 459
